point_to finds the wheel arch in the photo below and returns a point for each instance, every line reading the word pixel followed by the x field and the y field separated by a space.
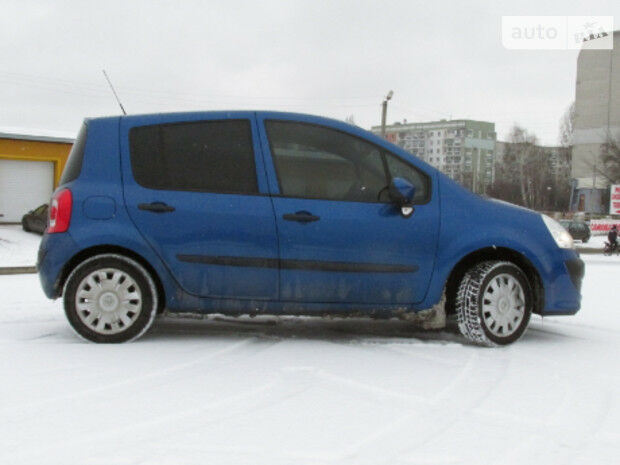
pixel 111 249
pixel 494 253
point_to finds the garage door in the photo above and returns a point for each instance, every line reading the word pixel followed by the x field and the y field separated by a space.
pixel 24 185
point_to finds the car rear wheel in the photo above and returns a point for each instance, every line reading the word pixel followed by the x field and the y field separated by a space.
pixel 494 303
pixel 110 298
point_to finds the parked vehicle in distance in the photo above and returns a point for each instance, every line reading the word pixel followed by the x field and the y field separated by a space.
pixel 281 213
pixel 36 220
pixel 578 229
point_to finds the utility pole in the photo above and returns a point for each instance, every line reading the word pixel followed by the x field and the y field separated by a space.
pixel 593 187
pixel 475 167
pixel 474 175
pixel 384 112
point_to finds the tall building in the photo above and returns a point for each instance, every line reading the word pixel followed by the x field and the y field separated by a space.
pixel 462 149
pixel 597 118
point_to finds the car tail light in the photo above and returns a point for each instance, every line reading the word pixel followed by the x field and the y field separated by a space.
pixel 60 211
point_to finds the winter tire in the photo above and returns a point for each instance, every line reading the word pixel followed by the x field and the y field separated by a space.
pixel 110 298
pixel 494 303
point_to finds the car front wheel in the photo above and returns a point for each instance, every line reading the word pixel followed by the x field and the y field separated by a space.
pixel 110 298
pixel 493 303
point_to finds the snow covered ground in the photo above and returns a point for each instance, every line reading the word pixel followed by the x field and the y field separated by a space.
pixel 17 247
pixel 595 242
pixel 306 391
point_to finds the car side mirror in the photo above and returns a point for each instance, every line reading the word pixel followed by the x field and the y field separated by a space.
pixel 401 193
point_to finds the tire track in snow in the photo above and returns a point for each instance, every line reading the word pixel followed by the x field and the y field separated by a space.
pixel 544 434
pixel 436 405
pixel 132 380
pixel 432 407
pixel 222 404
pixel 47 451
pixel 276 395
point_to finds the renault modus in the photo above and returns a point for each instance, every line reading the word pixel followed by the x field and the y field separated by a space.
pixel 287 214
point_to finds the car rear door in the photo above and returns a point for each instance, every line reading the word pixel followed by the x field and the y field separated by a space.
pixel 341 240
pixel 196 189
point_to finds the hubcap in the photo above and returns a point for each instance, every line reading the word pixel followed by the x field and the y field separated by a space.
pixel 108 301
pixel 503 305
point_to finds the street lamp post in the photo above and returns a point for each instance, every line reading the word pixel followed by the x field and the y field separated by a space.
pixel 384 112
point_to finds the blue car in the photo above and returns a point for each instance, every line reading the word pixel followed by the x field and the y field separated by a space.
pixel 287 214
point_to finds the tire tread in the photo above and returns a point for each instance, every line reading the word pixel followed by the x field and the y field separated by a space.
pixel 467 302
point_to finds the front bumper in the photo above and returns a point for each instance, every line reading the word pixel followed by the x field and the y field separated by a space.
pixel 563 285
pixel 576 270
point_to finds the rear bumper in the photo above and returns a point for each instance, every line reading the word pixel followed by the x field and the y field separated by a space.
pixel 563 291
pixel 54 252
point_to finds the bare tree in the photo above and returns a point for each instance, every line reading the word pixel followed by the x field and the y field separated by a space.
pixel 567 126
pixel 530 163
pixel 610 158
pixel 525 177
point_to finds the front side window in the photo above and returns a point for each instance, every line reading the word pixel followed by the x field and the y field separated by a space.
pixel 202 156
pixel 400 169
pixel 322 163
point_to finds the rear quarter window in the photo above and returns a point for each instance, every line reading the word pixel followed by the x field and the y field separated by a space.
pixel 73 167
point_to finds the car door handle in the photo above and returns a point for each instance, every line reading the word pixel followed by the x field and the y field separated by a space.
pixel 157 207
pixel 302 217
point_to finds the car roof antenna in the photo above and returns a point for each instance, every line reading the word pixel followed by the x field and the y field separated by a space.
pixel 114 92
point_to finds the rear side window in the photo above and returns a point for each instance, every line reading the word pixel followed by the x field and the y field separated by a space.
pixel 204 156
pixel 74 162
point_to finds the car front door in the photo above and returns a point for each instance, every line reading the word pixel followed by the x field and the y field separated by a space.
pixel 197 192
pixel 341 239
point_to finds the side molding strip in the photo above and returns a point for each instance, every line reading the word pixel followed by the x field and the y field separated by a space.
pixel 308 265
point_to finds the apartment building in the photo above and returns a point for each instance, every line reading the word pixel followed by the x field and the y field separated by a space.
pixel 597 119
pixel 462 149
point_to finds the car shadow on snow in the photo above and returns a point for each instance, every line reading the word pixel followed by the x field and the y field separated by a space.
pixel 331 329
pixel 310 328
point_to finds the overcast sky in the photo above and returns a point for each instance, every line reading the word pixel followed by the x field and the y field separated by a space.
pixel 443 59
